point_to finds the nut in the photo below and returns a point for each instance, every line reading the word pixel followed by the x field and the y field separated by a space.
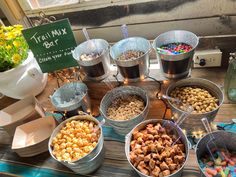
pixel 125 108
pixel 199 98
pixel 130 55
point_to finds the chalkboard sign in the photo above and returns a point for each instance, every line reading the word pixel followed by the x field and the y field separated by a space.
pixel 51 45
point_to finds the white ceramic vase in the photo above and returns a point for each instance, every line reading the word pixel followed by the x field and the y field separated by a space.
pixel 24 80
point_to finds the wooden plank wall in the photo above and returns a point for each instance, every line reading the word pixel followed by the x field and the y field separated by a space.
pixel 148 18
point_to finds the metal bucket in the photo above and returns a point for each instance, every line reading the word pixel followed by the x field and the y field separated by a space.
pixel 123 127
pixel 167 123
pixel 193 123
pixel 70 97
pixel 91 161
pixel 98 68
pixel 132 70
pixel 176 66
pixel 227 138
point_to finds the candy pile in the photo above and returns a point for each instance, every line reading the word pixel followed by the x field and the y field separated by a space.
pixel 177 48
pixel 130 55
pixel 224 164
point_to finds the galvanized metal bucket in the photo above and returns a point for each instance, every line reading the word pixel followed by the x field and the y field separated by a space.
pixel 91 161
pixel 176 66
pixel 167 123
pixel 193 123
pixel 71 96
pixel 227 138
pixel 132 70
pixel 98 68
pixel 123 127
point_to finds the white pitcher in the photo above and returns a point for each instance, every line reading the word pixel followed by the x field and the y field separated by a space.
pixel 24 80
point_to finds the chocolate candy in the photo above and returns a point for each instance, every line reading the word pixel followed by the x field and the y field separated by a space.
pixel 177 48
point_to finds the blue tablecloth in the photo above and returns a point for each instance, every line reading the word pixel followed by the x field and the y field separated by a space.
pixel 19 168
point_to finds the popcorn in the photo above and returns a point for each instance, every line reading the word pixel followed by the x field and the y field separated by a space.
pixel 77 139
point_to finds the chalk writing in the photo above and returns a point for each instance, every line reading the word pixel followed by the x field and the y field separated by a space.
pixel 52 44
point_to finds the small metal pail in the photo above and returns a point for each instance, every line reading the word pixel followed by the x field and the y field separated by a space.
pixel 96 69
pixel 123 127
pixel 167 123
pixel 193 122
pixel 227 138
pixel 70 97
pixel 176 66
pixel 91 161
pixel 132 70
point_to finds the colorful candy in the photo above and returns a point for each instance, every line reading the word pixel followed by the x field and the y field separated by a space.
pixel 223 164
pixel 177 48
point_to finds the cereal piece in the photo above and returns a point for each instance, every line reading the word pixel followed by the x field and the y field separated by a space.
pixel 156 171
pixel 132 144
pixel 138 151
pixel 164 166
pixel 152 164
pixel 178 159
pixel 172 166
pixel 139 158
pixel 156 156
pixel 132 156
pixel 166 172
pixel 152 147
pixel 142 167
pixel 169 160
pixel 145 149
pixel 147 158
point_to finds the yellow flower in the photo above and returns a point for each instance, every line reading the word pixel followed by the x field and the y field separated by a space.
pixel 16 32
pixel 10 35
pixel 8 47
pixel 2 36
pixel 1 43
pixel 18 26
pixel 16 58
pixel 16 43
pixel 8 28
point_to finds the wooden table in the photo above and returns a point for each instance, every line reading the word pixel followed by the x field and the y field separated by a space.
pixel 115 163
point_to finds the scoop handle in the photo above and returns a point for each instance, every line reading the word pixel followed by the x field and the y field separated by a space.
pixel 170 98
pixel 182 117
pixel 124 30
pixel 85 33
pixel 206 125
